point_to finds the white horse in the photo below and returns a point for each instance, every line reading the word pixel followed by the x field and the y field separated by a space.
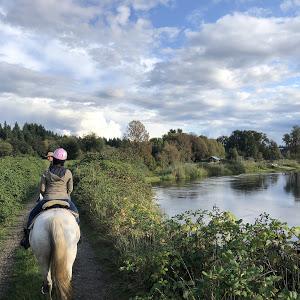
pixel 53 240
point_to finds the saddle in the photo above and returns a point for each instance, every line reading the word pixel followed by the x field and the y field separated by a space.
pixel 54 204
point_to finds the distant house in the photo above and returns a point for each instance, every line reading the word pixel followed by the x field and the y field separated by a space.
pixel 214 159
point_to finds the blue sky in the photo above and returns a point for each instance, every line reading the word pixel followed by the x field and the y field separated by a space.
pixel 208 67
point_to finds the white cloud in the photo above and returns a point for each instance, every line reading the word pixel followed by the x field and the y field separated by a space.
pixel 60 58
pixel 94 121
pixel 148 4
pixel 259 12
pixel 2 11
pixel 61 116
pixel 287 5
pixel 246 39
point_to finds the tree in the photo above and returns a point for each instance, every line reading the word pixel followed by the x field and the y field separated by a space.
pixel 20 146
pixel 233 154
pixel 5 148
pixel 5 132
pixel 92 143
pixel 169 155
pixel 157 146
pixel 114 142
pixel 182 141
pixel 273 151
pixel 17 132
pixel 292 141
pixel 199 148
pixel 223 140
pixel 250 143
pixel 136 132
pixel 71 145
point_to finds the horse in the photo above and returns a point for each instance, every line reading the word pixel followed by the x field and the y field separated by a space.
pixel 53 240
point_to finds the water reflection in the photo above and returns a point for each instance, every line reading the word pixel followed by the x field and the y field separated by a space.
pixel 246 196
pixel 293 185
pixel 254 183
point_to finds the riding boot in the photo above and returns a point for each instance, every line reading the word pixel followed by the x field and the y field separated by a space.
pixel 25 240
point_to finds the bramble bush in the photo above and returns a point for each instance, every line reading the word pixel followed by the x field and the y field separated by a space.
pixel 210 255
pixel 196 255
pixel 18 181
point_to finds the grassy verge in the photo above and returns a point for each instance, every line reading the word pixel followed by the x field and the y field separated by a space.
pixel 18 182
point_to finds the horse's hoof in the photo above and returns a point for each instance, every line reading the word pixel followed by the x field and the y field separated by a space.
pixel 45 289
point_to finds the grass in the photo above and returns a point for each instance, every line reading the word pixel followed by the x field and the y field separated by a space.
pixel 26 279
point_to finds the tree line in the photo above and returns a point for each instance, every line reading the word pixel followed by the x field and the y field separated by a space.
pixel 34 139
pixel 174 146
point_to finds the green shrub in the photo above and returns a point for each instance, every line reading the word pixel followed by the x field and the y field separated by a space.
pixel 217 170
pixel 120 199
pixel 236 168
pixel 211 255
pixel 18 179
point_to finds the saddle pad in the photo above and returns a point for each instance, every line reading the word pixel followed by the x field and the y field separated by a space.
pixel 50 203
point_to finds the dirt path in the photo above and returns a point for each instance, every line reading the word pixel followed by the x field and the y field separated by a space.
pixel 88 278
pixel 87 274
pixel 10 244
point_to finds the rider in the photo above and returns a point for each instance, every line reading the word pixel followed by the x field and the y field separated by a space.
pixel 50 158
pixel 56 184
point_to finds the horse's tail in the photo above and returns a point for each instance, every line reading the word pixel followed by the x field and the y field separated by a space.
pixel 58 263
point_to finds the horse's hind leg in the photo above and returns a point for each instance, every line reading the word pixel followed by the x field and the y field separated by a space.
pixel 47 285
pixel 46 273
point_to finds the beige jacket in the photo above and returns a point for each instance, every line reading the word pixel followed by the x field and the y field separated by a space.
pixel 56 183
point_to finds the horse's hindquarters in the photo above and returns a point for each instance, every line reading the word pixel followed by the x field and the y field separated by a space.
pixel 54 239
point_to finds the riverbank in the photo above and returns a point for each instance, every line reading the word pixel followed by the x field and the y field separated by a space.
pixel 190 171
pixel 183 257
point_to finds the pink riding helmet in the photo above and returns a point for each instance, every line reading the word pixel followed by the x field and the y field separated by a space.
pixel 60 154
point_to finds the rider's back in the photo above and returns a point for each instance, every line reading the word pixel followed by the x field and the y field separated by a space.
pixel 56 183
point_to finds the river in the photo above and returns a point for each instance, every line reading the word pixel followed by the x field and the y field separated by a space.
pixel 246 196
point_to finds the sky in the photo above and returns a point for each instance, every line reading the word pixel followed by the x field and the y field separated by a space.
pixel 208 67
